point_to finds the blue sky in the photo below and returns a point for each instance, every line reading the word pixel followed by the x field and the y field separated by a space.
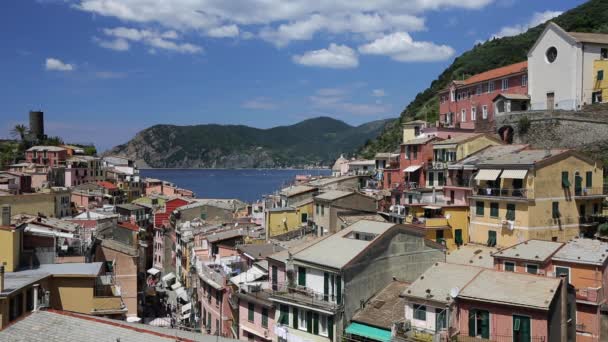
pixel 102 70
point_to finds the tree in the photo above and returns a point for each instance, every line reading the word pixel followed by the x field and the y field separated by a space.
pixel 19 131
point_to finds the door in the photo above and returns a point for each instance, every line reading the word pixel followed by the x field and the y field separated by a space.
pixel 521 328
pixel 440 319
pixel 550 100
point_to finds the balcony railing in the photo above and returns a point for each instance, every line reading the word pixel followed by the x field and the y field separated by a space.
pixel 429 222
pixel 497 338
pixel 504 192
pixel 590 294
pixel 107 305
pixel 400 187
pixel 306 296
pixel 589 192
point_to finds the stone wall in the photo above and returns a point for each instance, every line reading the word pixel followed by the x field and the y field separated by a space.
pixel 585 130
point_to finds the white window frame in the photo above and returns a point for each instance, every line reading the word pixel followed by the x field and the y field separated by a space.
pixel 524 80
pixel 504 266
pixel 302 319
pixel 452 95
pixel 323 329
pixel 463 115
pixel 569 272
pixel 537 268
pixel 473 113
pixel 505 83
pixel 484 112
pixel 490 86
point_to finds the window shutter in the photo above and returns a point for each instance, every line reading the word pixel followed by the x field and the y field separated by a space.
pixel 251 312
pixel 589 180
pixel 472 323
pixel 295 318
pixel 330 327
pixel 565 181
pixel 485 324
pixel 302 276
pixel 265 317
pixel 309 321
pixel 325 286
pixel 315 323
pixel 339 289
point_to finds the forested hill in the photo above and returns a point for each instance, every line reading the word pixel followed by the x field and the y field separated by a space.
pixel 313 142
pixel 591 16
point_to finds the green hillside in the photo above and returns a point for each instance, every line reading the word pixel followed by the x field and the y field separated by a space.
pixel 589 17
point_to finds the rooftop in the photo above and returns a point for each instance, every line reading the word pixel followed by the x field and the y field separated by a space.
pixel 527 158
pixel 583 251
pixel 497 73
pixel 472 255
pixel 296 190
pixel 352 216
pixel 129 206
pixel 537 250
pixel 46 148
pixel 507 288
pixel 321 182
pixel 337 250
pixel 333 195
pixel 461 138
pixel 292 248
pixel 486 154
pixel 385 307
pixel 43 326
pixel 129 226
pixel 225 235
pixel 436 282
pixel 259 251
pixel 584 37
pixel 108 185
pixel 420 141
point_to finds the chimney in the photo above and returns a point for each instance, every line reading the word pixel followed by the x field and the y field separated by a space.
pixel 6 215
pixel 1 278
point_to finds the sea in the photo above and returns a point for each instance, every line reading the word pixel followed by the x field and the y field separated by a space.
pixel 247 185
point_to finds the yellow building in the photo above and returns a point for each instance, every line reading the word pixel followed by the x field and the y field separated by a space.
pixel 448 151
pixel 535 194
pixel 282 220
pixel 413 129
pixel 445 224
pixel 600 77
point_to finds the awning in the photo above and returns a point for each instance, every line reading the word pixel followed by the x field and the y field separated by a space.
pixel 186 308
pixel 176 285
pixel 186 316
pixel 373 333
pixel 153 271
pixel 487 174
pixel 432 207
pixel 181 293
pixel 48 232
pixel 160 322
pixel 412 168
pixel 514 174
pixel 251 275
pixel 169 277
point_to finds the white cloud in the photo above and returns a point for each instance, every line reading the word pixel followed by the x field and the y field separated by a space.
pixel 153 39
pixel 259 103
pixel 401 47
pixel 53 64
pixel 537 19
pixel 224 31
pixel 335 57
pixel 338 100
pixel 108 75
pixel 281 21
pixel 378 93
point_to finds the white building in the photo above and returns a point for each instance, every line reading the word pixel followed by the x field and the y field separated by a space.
pixel 560 68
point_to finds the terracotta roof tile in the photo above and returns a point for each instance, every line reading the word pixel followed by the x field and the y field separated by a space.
pixel 497 73
pixel 129 225
pixel 108 185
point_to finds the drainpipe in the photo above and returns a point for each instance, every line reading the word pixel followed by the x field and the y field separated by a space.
pixel 564 309
pixel 35 287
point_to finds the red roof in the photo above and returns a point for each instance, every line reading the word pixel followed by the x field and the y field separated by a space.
pixel 129 225
pixel 108 185
pixel 497 73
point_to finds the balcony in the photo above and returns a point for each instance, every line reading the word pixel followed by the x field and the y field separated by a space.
pixel 588 193
pixel 401 187
pixel 593 295
pixel 305 296
pixel 497 338
pixel 428 222
pixel 503 193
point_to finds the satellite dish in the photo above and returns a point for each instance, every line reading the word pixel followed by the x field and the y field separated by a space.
pixel 454 292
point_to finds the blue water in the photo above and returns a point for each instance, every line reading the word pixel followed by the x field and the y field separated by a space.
pixel 245 184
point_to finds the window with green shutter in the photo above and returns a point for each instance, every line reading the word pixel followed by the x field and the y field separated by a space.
pixel 509 266
pixel 494 209
pixel 565 180
pixel 555 210
pixel 309 321
pixel 339 289
pixel 510 212
pixel 330 327
pixel 521 328
pixel 325 286
pixel 479 323
pixel 600 75
pixel 491 238
pixel 479 208
pixel 589 179
pixel 251 312
pixel 283 314
pixel 315 323
pixel 458 237
pixel 420 312
pixel 265 317
pixel 295 317
pixel 302 276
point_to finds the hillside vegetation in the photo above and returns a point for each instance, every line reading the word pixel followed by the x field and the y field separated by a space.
pixel 591 16
pixel 313 142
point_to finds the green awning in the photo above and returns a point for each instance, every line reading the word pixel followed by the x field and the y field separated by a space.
pixel 369 332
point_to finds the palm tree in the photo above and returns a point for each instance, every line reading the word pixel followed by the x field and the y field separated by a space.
pixel 19 131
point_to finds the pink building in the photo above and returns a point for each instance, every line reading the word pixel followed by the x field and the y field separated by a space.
pixel 256 316
pixel 46 155
pixel 217 316
pixel 469 103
